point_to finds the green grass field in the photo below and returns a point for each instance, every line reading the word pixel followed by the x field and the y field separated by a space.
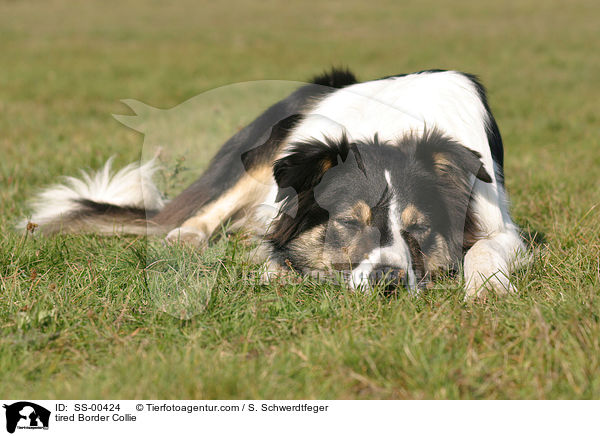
pixel 77 319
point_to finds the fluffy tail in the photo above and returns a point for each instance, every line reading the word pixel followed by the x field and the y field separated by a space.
pixel 103 202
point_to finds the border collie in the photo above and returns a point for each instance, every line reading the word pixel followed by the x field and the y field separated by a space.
pixel 400 177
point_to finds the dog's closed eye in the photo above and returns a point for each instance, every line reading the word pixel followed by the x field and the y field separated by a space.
pixel 358 215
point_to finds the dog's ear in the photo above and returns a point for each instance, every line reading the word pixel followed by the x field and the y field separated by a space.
pixel 297 175
pixel 263 154
pixel 305 163
pixel 447 157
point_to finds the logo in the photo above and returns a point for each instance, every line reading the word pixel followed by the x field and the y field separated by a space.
pixel 26 415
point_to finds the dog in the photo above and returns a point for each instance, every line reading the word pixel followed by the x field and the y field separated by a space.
pixel 399 178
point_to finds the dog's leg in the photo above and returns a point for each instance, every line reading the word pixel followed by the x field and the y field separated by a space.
pixel 490 261
pixel 238 202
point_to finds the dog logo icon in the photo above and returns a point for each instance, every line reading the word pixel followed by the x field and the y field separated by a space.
pixel 26 415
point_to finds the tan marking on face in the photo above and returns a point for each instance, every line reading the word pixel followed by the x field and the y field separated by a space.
pixel 441 160
pixel 326 164
pixel 411 216
pixel 359 211
pixel 362 212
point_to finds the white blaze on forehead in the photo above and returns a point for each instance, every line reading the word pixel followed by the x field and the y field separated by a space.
pixel 397 255
pixel 388 179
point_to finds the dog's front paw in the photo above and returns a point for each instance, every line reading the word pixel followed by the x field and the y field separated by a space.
pixel 479 286
pixel 187 236
pixel 487 270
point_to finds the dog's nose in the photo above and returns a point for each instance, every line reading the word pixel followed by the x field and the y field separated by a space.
pixel 388 277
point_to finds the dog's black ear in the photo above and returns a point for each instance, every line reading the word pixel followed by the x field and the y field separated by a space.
pixel 305 163
pixel 263 154
pixel 297 175
pixel 447 156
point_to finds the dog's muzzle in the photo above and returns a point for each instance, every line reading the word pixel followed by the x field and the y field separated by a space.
pixel 389 279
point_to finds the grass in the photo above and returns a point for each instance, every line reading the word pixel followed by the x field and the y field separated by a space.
pixel 78 319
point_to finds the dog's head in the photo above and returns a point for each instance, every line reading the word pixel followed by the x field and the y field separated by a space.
pixel 375 209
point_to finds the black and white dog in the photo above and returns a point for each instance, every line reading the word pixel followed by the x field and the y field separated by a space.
pixel 400 177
